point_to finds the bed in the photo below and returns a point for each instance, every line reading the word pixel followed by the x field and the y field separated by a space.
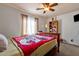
pixel 40 50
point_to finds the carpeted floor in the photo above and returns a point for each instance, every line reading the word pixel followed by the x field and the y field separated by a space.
pixel 68 50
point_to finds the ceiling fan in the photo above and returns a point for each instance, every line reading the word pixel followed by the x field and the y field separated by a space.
pixel 47 7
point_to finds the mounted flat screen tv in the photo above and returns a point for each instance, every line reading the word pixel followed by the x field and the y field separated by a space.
pixel 76 18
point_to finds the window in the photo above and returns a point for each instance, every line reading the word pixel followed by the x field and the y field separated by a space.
pixel 29 25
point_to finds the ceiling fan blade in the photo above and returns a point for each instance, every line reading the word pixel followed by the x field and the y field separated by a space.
pixel 39 8
pixel 51 9
pixel 45 4
pixel 44 12
pixel 54 4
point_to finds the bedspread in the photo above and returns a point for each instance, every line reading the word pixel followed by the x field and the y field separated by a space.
pixel 29 48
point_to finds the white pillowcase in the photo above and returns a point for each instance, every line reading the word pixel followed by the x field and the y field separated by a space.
pixel 3 43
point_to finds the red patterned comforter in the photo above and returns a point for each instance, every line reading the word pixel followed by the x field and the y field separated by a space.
pixel 31 44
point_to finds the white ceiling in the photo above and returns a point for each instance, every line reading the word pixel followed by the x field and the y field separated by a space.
pixel 61 8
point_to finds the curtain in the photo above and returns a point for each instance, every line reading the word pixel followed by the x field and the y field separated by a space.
pixel 31 25
pixel 24 24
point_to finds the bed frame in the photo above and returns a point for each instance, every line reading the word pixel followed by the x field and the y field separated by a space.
pixel 58 38
pixel 55 49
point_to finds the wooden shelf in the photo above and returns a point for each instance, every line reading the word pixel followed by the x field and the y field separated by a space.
pixel 53 26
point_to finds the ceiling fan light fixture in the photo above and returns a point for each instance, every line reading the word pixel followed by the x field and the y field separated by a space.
pixel 46 9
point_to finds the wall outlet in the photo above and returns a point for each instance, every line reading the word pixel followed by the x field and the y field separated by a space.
pixel 72 40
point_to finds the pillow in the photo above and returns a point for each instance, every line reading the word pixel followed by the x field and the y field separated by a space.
pixel 45 37
pixel 41 33
pixel 3 43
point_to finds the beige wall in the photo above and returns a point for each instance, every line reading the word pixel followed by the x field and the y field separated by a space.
pixel 70 29
pixel 42 22
pixel 10 21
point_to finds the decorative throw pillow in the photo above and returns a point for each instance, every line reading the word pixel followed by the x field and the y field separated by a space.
pixel 3 43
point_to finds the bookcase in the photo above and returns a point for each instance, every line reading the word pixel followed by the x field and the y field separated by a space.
pixel 53 26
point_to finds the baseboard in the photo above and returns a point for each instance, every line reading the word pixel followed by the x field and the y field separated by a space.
pixel 70 44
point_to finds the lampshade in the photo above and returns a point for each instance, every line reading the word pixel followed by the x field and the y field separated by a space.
pixel 3 43
pixel 46 25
